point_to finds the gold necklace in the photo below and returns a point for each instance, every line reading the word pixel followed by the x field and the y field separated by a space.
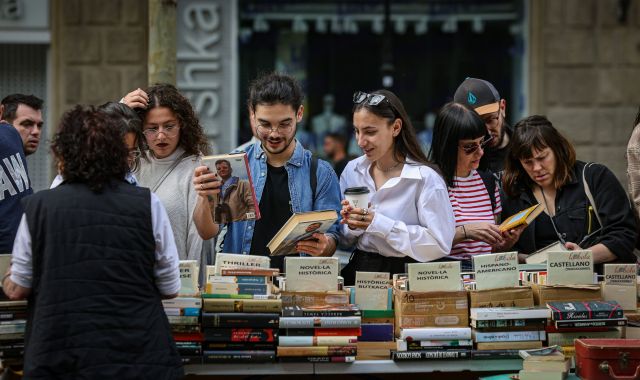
pixel 389 168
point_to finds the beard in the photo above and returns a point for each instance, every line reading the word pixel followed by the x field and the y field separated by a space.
pixel 287 142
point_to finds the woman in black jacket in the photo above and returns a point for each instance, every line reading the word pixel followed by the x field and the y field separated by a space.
pixel 542 168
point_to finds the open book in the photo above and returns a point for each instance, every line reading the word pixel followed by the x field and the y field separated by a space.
pixel 300 226
pixel 540 256
pixel 236 200
pixel 523 217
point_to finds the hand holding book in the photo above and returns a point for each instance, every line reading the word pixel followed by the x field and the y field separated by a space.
pixel 318 245
pixel 205 182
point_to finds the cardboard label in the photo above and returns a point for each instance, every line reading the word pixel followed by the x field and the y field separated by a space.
pixel 570 268
pixel 230 260
pixel 372 290
pixel 188 277
pixel 498 270
pixel 311 273
pixel 430 277
pixel 620 274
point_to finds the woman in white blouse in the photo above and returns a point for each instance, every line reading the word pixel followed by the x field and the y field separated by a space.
pixel 409 218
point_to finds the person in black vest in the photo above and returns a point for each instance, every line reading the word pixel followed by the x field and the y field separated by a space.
pixel 94 256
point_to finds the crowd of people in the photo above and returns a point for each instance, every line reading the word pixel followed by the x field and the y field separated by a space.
pixel 132 198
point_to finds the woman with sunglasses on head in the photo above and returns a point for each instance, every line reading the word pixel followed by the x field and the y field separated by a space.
pixel 542 168
pixel 409 218
pixel 176 141
pixel 459 138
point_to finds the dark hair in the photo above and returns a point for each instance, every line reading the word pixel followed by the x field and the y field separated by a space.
pixel 536 133
pixel 129 122
pixel 275 88
pixel 391 108
pixel 192 137
pixel 223 161
pixel 453 123
pixel 11 102
pixel 338 137
pixel 90 149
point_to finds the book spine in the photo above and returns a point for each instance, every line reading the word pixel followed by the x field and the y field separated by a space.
pixel 189 351
pixel 430 355
pixel 322 332
pixel 489 324
pixel 212 357
pixel 590 323
pixel 568 338
pixel 378 332
pixel 319 322
pixel 13 328
pixel 318 351
pixel 262 280
pixel 188 360
pixel 308 341
pixel 290 312
pixel 417 346
pixel 436 333
pixel 237 346
pixel 563 315
pixel 241 335
pixel 185 329
pixel 495 354
pixel 253 289
pixel 508 336
pixel 317 359
pixel 182 303
pixel 188 337
pixel 242 306
pixel 249 272
pixel 497 314
pixel 12 316
pixel 182 320
pixel 249 320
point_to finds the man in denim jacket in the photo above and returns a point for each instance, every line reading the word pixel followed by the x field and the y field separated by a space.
pixel 280 168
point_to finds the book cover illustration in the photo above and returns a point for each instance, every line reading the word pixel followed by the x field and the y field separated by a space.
pixel 300 226
pixel 236 200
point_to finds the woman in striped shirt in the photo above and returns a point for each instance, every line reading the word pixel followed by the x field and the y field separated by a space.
pixel 474 195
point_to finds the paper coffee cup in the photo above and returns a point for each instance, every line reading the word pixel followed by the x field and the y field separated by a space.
pixel 358 197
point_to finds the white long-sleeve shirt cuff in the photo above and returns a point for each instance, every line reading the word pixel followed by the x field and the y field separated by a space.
pixel 381 225
pixel 21 270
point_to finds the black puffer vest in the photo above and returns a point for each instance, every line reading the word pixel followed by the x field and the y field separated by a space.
pixel 95 311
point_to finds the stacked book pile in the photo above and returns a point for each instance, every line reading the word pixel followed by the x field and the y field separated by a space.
pixel 500 332
pixel 377 339
pixel 326 333
pixel 544 364
pixel 433 344
pixel 241 316
pixel 13 320
pixel 584 319
pixel 184 318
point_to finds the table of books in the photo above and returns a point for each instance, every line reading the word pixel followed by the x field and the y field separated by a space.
pixel 357 367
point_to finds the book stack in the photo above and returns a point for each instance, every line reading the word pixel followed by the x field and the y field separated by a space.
pixel 319 334
pixel 13 320
pixel 433 344
pixel 584 319
pixel 183 314
pixel 544 364
pixel 500 332
pixel 241 316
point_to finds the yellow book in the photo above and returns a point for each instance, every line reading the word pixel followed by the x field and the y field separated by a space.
pixel 523 217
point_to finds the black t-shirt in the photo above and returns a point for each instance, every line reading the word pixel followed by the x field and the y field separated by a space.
pixel 275 210
pixel 339 166
pixel 545 233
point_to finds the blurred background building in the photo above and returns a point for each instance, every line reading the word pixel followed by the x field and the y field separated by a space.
pixel 577 61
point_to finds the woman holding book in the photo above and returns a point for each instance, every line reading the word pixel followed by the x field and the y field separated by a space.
pixel 409 218
pixel 459 138
pixel 176 141
pixel 542 168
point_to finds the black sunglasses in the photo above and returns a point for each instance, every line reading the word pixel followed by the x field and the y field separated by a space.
pixel 368 99
pixel 470 148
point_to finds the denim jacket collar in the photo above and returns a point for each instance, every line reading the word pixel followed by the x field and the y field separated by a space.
pixel 296 158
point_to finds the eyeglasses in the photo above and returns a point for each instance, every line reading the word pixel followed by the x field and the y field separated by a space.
pixel 169 131
pixel 368 99
pixel 471 148
pixel 491 120
pixel 133 154
pixel 281 129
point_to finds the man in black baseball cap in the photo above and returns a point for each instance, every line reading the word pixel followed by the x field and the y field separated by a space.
pixel 483 97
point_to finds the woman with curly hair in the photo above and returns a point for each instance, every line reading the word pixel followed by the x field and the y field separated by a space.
pixel 176 141
pixel 100 249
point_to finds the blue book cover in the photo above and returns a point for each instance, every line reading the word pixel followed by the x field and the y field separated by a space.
pixel 253 289
pixel 251 279
pixel 376 332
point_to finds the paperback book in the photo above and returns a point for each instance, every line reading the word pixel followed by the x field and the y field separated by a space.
pixel 300 226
